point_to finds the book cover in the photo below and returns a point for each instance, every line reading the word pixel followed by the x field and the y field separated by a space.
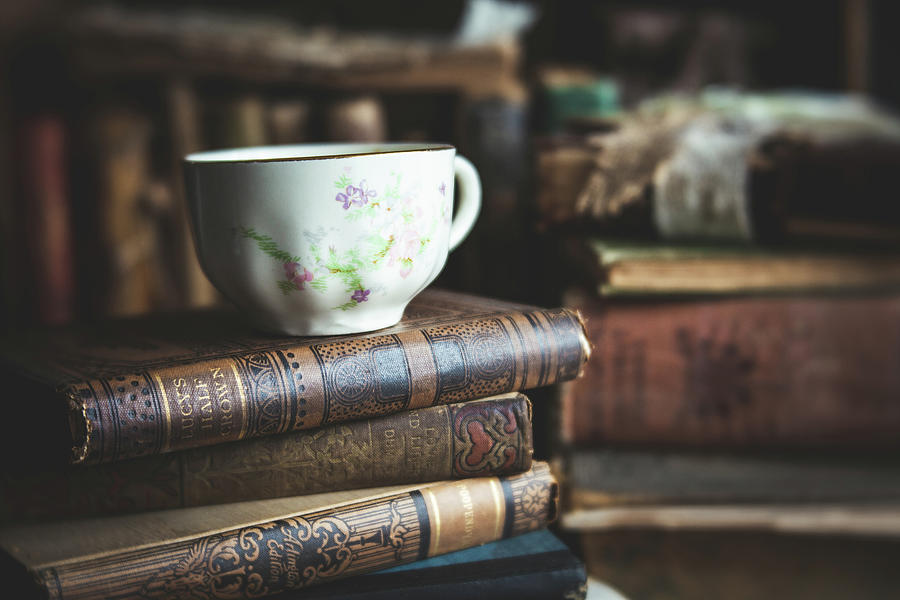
pixel 171 382
pixel 255 549
pixel 653 564
pixel 534 565
pixel 478 438
pixel 607 477
pixel 786 371
pixel 629 268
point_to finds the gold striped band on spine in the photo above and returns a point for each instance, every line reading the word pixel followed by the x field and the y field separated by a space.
pixel 435 519
pixel 245 408
pixel 167 414
pixel 499 507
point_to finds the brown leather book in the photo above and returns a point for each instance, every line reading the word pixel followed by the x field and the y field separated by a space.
pixel 627 268
pixel 470 439
pixel 47 269
pixel 158 384
pixel 600 478
pixel 742 564
pixel 765 371
pixel 253 549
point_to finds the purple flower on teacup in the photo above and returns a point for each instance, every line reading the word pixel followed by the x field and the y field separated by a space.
pixel 363 194
pixel 346 196
pixel 356 195
pixel 360 296
pixel 294 274
pixel 442 188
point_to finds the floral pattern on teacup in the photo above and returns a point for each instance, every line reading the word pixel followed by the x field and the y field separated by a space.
pixel 395 241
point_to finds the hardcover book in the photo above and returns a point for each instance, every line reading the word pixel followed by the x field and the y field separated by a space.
pixel 470 439
pixel 254 549
pixel 788 371
pixel 533 566
pixel 654 564
pixel 602 478
pixel 726 166
pixel 153 385
pixel 621 267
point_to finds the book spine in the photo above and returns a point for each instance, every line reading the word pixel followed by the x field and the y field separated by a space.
pixel 46 220
pixel 306 386
pixel 601 478
pixel 787 371
pixel 537 576
pixel 125 228
pixel 488 437
pixel 185 130
pixel 312 548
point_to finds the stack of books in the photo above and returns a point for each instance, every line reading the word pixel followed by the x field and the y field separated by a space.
pixel 739 279
pixel 185 456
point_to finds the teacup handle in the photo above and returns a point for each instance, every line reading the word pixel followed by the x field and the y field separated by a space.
pixel 469 200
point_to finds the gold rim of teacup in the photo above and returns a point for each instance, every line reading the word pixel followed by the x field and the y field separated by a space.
pixel 194 157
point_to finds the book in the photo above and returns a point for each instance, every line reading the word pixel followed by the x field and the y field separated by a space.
pixel 728 166
pixel 236 122
pixel 158 384
pixel 534 565
pixel 259 548
pixel 785 371
pixel 622 267
pixel 871 520
pixel 43 232
pixel 654 564
pixel 610 477
pixel 126 234
pixel 355 119
pixel 185 131
pixel 478 438
pixel 288 121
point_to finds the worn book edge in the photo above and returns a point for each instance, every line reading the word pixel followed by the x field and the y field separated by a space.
pixel 303 547
pixel 83 429
pixel 489 436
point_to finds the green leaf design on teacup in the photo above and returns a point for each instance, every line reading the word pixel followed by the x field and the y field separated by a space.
pixel 344 267
pixel 394 216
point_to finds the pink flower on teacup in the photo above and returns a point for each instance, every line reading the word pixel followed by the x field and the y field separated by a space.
pixel 406 246
pixel 296 274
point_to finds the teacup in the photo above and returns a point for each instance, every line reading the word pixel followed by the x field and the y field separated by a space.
pixel 320 239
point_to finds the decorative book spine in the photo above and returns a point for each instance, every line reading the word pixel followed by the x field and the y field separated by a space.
pixel 487 437
pixel 311 548
pixel 314 384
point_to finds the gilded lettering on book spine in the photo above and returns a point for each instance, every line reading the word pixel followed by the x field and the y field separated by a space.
pixel 479 438
pixel 209 402
pixel 307 549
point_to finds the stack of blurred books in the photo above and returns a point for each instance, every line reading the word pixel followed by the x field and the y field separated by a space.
pixel 183 456
pixel 739 270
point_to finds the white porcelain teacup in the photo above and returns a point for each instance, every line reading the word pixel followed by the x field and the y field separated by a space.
pixel 320 239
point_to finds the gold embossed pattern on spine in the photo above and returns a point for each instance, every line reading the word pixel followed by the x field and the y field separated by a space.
pixel 313 548
pixel 480 438
pixel 301 387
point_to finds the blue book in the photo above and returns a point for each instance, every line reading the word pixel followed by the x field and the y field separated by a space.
pixel 536 566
